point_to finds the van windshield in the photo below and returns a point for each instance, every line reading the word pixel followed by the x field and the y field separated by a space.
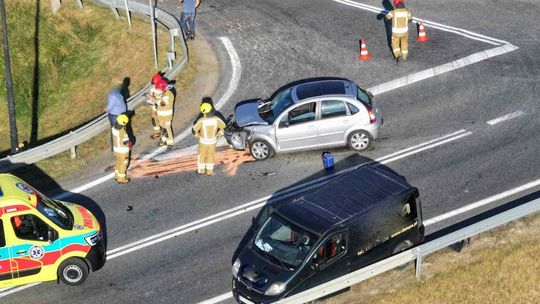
pixel 286 243
pixel 54 211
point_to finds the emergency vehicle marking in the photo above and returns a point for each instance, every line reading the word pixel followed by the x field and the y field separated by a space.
pixel 87 218
pixel 36 252
pixel 13 208
pixel 380 241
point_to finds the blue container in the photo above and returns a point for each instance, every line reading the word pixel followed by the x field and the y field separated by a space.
pixel 328 160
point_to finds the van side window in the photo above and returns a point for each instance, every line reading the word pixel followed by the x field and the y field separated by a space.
pixel 2 236
pixel 30 227
pixel 332 248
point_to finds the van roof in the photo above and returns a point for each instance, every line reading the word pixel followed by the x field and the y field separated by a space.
pixel 345 197
pixel 14 187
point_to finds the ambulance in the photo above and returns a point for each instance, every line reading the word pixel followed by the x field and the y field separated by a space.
pixel 42 239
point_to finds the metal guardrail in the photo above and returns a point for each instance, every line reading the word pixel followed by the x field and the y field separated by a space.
pixel 414 254
pixel 101 123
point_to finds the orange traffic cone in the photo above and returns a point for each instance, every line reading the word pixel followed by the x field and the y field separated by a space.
pixel 422 37
pixel 364 54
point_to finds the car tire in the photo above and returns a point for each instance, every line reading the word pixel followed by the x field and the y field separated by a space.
pixel 260 149
pixel 359 140
pixel 73 271
pixel 402 246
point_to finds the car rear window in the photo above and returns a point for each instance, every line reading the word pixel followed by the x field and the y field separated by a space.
pixel 363 97
pixel 333 108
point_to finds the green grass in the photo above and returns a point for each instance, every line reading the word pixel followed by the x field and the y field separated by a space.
pixel 82 54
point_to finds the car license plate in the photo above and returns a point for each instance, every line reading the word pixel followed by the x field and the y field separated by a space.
pixel 244 300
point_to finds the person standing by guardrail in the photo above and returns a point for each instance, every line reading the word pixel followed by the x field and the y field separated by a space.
pixel 165 106
pixel 187 17
pixel 116 105
pixel 121 148
pixel 151 99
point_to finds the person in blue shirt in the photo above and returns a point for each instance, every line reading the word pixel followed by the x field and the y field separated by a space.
pixel 187 17
pixel 116 105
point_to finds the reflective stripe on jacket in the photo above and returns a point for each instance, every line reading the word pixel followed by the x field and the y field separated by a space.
pixel 120 140
pixel 400 19
pixel 208 129
pixel 165 104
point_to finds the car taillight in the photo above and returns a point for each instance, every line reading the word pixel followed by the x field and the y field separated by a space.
pixel 372 117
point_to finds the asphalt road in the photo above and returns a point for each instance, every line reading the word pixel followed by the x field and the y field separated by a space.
pixel 282 41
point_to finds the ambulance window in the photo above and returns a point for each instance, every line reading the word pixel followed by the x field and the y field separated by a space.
pixel 2 237
pixel 30 227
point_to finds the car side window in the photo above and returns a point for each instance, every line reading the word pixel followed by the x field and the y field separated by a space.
pixel 352 108
pixel 30 227
pixel 332 108
pixel 331 249
pixel 303 113
pixel 2 235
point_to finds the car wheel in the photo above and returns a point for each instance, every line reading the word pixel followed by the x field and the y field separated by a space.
pixel 359 140
pixel 261 150
pixel 73 271
pixel 400 248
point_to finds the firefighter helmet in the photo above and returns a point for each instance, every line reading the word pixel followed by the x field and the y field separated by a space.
pixel 156 78
pixel 161 85
pixel 122 119
pixel 396 2
pixel 205 107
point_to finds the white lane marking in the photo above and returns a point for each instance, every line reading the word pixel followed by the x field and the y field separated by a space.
pixel 218 299
pixel 441 69
pixel 504 117
pixel 233 85
pixel 481 203
pixel 9 291
pixel 430 221
pixel 160 237
pixel 427 23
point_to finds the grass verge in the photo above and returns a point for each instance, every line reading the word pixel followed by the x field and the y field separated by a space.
pixel 499 267
pixel 64 65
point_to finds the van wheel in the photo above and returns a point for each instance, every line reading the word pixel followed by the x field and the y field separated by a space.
pixel 260 149
pixel 400 248
pixel 73 271
pixel 359 140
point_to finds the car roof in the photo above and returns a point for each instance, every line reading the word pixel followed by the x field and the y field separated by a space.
pixel 323 88
pixel 345 197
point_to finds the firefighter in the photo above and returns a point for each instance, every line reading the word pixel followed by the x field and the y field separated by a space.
pixel 151 99
pixel 165 105
pixel 121 148
pixel 207 129
pixel 400 17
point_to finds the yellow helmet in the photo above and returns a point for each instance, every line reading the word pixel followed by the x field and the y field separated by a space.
pixel 205 108
pixel 122 119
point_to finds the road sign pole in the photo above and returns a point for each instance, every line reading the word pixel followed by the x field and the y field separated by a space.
pixel 128 14
pixel 154 38
pixel 9 84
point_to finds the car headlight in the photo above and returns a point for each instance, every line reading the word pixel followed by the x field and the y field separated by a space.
pixel 93 239
pixel 235 268
pixel 275 289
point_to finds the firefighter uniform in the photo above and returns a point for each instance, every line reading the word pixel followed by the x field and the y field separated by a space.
pixel 400 31
pixel 165 104
pixel 207 129
pixel 152 101
pixel 121 148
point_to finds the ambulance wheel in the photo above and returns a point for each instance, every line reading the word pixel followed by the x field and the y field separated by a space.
pixel 73 271
pixel 261 149
pixel 359 140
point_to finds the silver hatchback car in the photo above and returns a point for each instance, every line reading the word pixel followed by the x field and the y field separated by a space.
pixel 310 115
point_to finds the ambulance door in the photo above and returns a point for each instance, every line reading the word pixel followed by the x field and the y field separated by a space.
pixel 5 260
pixel 30 245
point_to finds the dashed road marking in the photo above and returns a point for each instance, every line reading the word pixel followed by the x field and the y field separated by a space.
pixel 504 118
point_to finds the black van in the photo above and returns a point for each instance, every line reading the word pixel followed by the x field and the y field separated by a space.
pixel 354 220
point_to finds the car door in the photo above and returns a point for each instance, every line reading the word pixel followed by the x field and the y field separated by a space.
pixel 30 245
pixel 334 122
pixel 5 257
pixel 297 128
pixel 330 261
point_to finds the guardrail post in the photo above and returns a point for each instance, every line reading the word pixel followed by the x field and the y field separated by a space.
pixel 73 152
pixel 80 4
pixel 418 268
pixel 115 12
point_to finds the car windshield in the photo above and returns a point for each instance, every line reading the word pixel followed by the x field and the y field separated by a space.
pixel 284 242
pixel 278 104
pixel 54 211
